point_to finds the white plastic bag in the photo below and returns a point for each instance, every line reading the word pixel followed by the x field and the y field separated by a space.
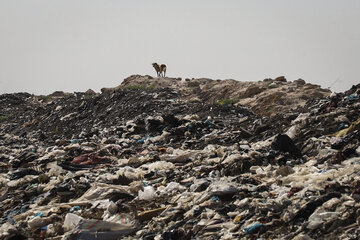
pixel 71 220
pixel 147 194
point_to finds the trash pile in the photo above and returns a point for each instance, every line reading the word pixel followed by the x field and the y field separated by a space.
pixel 147 163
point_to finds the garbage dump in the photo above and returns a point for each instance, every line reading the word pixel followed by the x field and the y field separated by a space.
pixel 177 162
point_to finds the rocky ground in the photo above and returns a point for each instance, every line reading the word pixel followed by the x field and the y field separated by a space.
pixel 165 158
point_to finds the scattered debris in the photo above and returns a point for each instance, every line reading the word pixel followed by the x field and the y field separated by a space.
pixel 168 162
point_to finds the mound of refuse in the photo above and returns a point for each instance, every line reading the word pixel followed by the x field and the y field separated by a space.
pixel 266 98
pixel 165 158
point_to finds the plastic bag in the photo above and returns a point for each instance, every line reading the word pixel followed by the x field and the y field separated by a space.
pixel 147 194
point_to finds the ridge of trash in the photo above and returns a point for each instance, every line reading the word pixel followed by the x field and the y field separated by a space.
pixel 165 158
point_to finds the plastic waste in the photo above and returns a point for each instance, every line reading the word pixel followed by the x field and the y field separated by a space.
pixel 40 221
pixel 199 185
pixel 317 219
pixel 98 229
pixel 85 167
pixel 100 191
pixel 147 194
pixel 71 220
pixel 149 214
pixel 91 158
pixel 284 171
pixel 75 208
pixel 353 97
pixel 292 131
pixel 254 228
pixel 173 187
pixel 284 143
pixel 159 165
pixel 218 188
pixel 345 131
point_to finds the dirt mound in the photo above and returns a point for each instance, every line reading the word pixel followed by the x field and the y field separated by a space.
pixel 266 98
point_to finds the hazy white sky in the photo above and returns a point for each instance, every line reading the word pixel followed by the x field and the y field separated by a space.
pixel 74 45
